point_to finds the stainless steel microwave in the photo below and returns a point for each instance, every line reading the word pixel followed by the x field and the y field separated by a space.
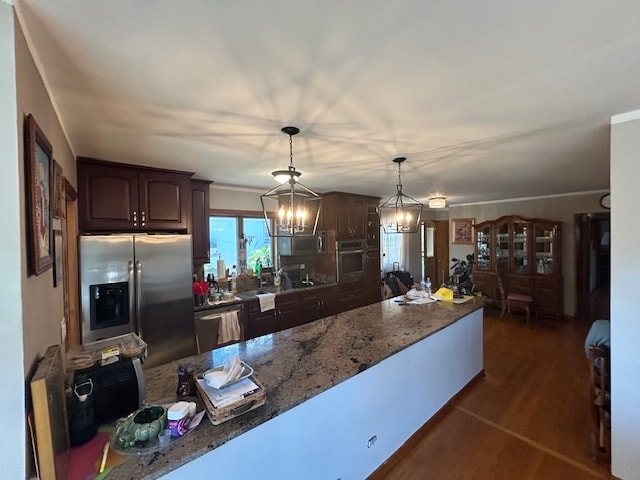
pixel 303 245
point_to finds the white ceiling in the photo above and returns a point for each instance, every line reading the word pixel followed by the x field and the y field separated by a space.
pixel 487 100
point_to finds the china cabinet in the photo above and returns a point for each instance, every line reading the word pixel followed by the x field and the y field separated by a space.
pixel 529 250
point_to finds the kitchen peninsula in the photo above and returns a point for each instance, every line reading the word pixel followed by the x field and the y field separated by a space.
pixel 343 393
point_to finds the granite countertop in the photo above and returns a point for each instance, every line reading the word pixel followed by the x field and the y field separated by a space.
pixel 294 365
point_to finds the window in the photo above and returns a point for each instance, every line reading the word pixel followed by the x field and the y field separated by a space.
pixel 227 235
pixel 393 251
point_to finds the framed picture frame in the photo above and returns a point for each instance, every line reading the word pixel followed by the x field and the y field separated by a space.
pixel 57 191
pixel 38 158
pixel 58 264
pixel 462 231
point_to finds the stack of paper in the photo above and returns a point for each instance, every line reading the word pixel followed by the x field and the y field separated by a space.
pixel 221 397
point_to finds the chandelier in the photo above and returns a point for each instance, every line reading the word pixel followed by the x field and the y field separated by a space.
pixel 437 202
pixel 400 213
pixel 296 207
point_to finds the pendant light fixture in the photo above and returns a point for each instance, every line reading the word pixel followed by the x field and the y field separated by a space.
pixel 400 213
pixel 437 202
pixel 296 207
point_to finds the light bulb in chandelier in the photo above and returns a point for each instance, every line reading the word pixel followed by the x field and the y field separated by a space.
pixel 289 222
pixel 403 218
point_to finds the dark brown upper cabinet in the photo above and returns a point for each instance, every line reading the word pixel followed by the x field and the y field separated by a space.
pixel 115 197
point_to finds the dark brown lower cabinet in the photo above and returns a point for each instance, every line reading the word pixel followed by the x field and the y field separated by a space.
pixel 305 306
pixel 288 313
pixel 350 295
pixel 318 304
pixel 260 323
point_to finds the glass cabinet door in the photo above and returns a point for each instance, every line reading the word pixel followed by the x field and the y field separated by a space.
pixel 545 249
pixel 520 258
pixel 502 243
pixel 483 248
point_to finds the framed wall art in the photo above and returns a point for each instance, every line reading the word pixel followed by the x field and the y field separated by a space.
pixel 462 231
pixel 38 158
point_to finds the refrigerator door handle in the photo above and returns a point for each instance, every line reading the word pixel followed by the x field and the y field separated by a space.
pixel 132 304
pixel 138 297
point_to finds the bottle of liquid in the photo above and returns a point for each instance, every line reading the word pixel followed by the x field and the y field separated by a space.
pixel 234 276
pixel 427 286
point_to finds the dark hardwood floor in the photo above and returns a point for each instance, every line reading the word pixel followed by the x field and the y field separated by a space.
pixel 528 417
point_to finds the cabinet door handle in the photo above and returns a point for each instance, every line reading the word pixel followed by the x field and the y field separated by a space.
pixel 135 218
pixel 144 219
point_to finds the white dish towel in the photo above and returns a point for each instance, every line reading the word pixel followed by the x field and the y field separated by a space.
pixel 267 301
pixel 229 327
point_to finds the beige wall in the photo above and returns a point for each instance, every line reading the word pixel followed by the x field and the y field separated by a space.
pixel 42 304
pixel 235 198
pixel 32 309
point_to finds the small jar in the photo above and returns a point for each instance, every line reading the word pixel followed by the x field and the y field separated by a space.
pixel 178 417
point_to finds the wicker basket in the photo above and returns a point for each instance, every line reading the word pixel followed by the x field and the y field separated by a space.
pixel 222 414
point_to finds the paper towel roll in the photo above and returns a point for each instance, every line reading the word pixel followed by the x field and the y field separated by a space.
pixel 221 272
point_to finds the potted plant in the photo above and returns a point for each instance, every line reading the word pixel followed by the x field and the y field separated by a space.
pixel 462 270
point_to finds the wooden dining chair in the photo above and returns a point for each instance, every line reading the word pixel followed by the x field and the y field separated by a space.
pixel 599 397
pixel 509 300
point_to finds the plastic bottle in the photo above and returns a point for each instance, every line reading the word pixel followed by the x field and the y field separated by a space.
pixel 234 276
pixel 427 286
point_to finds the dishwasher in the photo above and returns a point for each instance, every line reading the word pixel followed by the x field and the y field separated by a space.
pixel 207 325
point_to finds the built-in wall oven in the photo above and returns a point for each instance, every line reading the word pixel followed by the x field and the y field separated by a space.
pixel 351 260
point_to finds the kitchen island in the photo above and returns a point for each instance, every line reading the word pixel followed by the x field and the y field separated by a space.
pixel 343 393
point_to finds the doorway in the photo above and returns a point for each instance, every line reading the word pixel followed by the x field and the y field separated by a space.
pixel 593 266
pixel 435 251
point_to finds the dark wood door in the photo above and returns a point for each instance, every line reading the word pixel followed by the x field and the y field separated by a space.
pixel 199 221
pixel 593 264
pixel 350 295
pixel 259 323
pixel 289 310
pixel 164 200
pixel 318 304
pixel 107 197
pixel 352 216
pixel 442 262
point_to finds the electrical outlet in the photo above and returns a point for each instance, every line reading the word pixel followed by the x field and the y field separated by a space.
pixel 302 266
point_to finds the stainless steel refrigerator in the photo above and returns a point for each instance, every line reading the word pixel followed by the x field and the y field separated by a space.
pixel 142 284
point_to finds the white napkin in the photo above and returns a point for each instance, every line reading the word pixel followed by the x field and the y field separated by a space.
pixel 231 371
pixel 267 301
